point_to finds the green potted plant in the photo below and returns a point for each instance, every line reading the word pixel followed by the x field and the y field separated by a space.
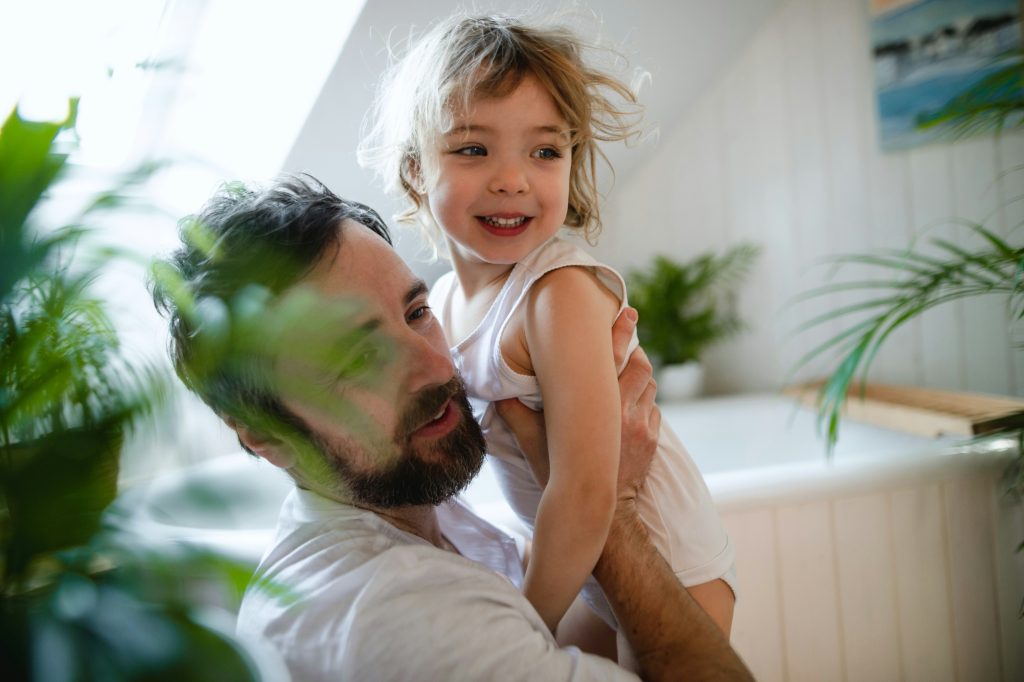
pixel 685 308
pixel 80 597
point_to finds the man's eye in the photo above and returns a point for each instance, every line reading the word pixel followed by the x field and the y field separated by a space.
pixel 358 356
pixel 359 361
pixel 471 150
pixel 418 313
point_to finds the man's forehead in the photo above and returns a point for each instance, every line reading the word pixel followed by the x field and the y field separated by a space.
pixel 364 265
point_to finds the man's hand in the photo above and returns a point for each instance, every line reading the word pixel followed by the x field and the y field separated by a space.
pixel 641 419
pixel 641 424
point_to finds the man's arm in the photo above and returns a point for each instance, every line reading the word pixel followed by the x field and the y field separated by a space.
pixel 671 636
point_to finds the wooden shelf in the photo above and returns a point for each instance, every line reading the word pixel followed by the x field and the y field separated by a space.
pixel 923 411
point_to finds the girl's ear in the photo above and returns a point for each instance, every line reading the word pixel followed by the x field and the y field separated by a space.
pixel 263 445
pixel 412 173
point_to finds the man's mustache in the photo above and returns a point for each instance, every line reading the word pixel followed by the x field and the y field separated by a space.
pixel 425 406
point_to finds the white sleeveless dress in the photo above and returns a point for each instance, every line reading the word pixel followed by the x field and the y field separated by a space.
pixel 674 503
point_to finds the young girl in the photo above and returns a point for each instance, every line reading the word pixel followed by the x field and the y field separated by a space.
pixel 489 127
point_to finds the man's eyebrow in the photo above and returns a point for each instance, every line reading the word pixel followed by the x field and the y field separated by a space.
pixel 370 326
pixel 415 291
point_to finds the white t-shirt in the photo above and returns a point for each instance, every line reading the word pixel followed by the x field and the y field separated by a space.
pixel 344 595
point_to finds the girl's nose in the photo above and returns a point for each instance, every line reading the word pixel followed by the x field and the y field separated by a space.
pixel 509 178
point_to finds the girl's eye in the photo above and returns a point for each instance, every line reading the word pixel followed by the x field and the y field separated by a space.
pixel 471 150
pixel 548 153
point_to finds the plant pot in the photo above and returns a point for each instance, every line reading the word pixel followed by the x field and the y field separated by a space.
pixel 681 382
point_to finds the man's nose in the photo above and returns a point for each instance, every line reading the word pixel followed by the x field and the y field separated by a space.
pixel 428 363
pixel 509 177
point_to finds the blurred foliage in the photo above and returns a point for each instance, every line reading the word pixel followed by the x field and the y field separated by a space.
pixel 80 598
pixel 685 307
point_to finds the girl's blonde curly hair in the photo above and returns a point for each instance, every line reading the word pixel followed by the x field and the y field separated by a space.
pixel 465 58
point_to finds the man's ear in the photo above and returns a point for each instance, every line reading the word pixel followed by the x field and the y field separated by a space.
pixel 263 445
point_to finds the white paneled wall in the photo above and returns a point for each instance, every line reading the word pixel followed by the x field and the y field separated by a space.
pixel 915 580
pixel 782 151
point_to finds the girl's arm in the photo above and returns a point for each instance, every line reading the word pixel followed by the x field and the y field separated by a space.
pixel 565 325
pixel 670 636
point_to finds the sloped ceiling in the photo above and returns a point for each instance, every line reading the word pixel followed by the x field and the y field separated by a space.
pixel 684 45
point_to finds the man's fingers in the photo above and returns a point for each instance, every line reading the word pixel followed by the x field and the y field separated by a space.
pixel 647 403
pixel 655 424
pixel 622 334
pixel 635 377
pixel 650 393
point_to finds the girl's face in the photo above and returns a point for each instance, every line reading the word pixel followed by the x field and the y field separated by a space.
pixel 503 180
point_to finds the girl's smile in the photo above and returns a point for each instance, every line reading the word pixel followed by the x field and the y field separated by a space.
pixel 505 226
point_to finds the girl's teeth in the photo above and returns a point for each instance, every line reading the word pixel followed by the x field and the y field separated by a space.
pixel 505 222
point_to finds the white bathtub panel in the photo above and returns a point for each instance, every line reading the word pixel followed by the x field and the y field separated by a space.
pixel 1010 583
pixel 922 592
pixel 757 632
pixel 972 577
pixel 867 588
pixel 810 603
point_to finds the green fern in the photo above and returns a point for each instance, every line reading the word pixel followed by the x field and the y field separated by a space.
pixel 683 307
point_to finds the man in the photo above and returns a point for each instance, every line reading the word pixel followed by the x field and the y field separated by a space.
pixel 376 572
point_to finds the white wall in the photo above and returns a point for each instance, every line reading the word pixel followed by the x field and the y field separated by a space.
pixel 783 151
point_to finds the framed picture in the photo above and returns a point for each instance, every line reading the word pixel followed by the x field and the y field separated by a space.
pixel 929 53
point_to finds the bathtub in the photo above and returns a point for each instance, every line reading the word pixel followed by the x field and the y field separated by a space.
pixel 893 561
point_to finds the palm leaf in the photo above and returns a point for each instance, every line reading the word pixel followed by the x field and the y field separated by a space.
pixel 918 283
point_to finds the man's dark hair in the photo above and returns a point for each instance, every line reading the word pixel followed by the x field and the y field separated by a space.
pixel 246 239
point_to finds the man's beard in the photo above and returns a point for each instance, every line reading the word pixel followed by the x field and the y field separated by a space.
pixel 415 479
